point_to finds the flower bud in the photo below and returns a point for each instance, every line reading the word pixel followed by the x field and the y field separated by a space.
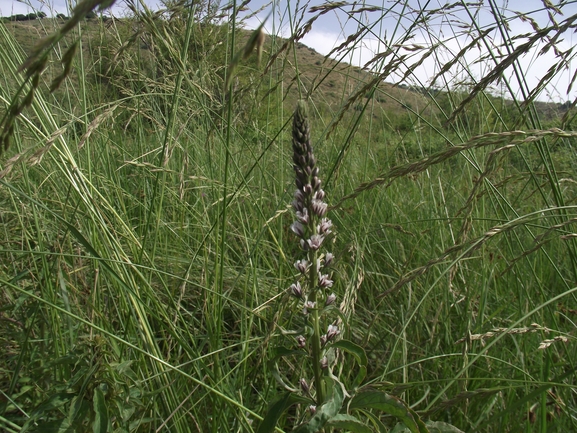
pixel 297 206
pixel 309 306
pixel 332 332
pixel 304 386
pixel 299 196
pixel 329 259
pixel 301 266
pixel 298 229
pixel 324 227
pixel 330 299
pixel 315 242
pixel 324 363
pixel 312 409
pixel 296 290
pixel 303 216
pixel 316 183
pixel 319 207
pixel 324 281
pixel 301 341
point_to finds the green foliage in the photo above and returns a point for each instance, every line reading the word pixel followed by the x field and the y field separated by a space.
pixel 146 249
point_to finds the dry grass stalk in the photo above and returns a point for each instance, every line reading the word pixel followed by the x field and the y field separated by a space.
pixel 484 140
pixel 498 331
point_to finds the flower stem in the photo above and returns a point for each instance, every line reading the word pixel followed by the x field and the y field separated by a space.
pixel 316 340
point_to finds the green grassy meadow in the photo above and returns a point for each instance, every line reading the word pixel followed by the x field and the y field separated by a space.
pixel 146 251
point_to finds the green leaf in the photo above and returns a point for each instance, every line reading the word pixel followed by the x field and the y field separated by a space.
pixel 100 424
pixel 349 423
pixel 361 357
pixel 354 349
pixel 125 409
pixel 78 411
pixel 53 402
pixel 376 421
pixel 277 408
pixel 280 352
pixel 55 426
pixel 441 427
pixel 387 404
pixel 327 411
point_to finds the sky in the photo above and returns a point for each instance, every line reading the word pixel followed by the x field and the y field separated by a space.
pixel 332 28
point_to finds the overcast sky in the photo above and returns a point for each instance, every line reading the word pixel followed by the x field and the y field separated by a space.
pixel 333 28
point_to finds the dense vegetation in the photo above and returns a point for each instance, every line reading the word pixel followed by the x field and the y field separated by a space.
pixel 147 253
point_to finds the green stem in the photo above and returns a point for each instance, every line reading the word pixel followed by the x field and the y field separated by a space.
pixel 316 343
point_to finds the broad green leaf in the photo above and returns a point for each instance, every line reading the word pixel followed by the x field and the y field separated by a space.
pixel 125 409
pixel 277 408
pixel 328 410
pixel 387 404
pixel 348 423
pixel 361 357
pixel 79 409
pixel 354 349
pixel 422 426
pixel 100 424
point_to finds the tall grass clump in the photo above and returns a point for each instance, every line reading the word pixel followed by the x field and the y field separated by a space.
pixel 148 252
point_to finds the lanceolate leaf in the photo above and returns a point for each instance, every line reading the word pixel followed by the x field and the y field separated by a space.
pixel 354 349
pixel 348 423
pixel 387 404
pixel 277 408
pixel 359 353
pixel 327 411
pixel 441 427
pixel 100 424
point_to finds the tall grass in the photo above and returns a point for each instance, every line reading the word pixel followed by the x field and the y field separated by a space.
pixel 147 256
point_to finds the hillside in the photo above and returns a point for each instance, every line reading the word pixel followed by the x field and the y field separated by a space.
pixel 331 85
pixel 183 250
pixel 329 82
